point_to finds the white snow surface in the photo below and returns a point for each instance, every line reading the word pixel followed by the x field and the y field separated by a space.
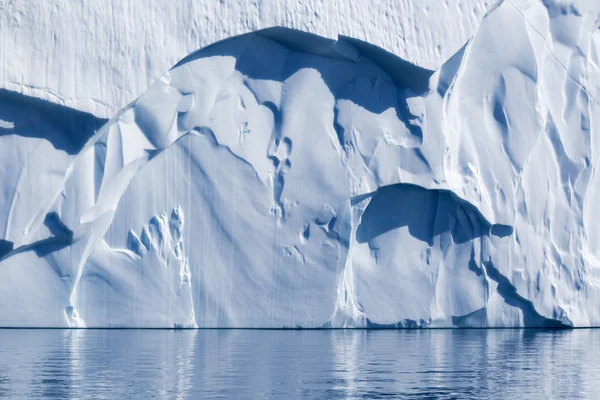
pixel 98 56
pixel 282 179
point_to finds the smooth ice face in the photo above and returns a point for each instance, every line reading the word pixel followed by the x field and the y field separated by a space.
pixel 280 179
pixel 121 48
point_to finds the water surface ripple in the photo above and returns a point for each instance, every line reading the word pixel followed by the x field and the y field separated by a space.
pixel 299 364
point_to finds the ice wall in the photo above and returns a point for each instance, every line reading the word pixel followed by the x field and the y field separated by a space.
pixel 99 56
pixel 282 179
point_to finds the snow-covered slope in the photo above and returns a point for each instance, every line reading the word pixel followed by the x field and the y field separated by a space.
pixel 97 56
pixel 281 179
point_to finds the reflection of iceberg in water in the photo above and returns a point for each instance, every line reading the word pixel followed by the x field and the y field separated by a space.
pixel 57 363
pixel 294 364
pixel 185 362
pixel 347 363
pixel 79 348
pixel 78 363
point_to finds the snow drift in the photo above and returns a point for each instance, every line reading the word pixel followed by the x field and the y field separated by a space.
pixel 281 179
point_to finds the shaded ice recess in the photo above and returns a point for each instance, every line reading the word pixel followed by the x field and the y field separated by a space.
pixel 38 141
pixel 280 179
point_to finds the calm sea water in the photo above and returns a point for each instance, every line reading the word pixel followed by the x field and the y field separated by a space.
pixel 120 364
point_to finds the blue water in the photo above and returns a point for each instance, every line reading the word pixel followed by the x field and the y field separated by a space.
pixel 120 364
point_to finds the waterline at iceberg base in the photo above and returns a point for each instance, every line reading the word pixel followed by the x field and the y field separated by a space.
pixel 283 180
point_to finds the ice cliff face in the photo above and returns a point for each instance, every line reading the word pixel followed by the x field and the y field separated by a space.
pixel 99 56
pixel 281 179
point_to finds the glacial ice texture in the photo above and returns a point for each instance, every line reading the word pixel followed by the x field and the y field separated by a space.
pixel 123 47
pixel 281 179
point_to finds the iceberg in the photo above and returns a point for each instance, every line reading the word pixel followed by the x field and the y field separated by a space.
pixel 280 179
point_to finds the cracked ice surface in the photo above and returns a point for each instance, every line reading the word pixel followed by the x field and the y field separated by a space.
pixel 281 179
